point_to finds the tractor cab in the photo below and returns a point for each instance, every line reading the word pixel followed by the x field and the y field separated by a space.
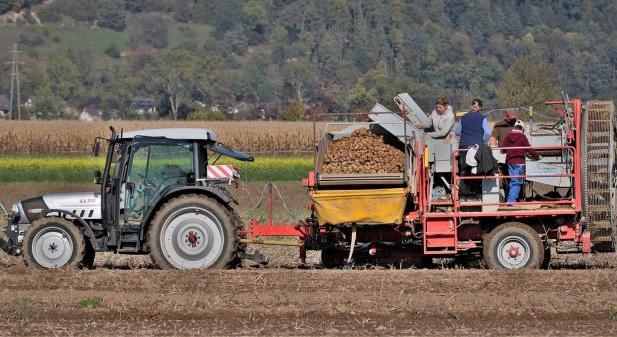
pixel 145 168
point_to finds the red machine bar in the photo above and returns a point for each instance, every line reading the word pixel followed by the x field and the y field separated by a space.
pixel 278 230
pixel 539 148
pixel 522 213
pixel 564 175
pixel 578 182
pixel 550 202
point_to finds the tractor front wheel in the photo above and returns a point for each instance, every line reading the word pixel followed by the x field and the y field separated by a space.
pixel 192 231
pixel 54 242
pixel 513 245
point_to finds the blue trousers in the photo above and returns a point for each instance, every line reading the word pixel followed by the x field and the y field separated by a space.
pixel 515 183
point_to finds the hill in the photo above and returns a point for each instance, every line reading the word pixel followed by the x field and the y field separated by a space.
pixel 276 59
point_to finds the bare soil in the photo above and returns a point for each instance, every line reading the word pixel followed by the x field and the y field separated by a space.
pixel 125 295
pixel 308 302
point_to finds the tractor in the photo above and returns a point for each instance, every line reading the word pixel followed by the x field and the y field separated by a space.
pixel 159 196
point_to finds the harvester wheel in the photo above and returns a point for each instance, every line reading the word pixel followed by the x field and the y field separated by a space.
pixel 54 242
pixel 513 245
pixel 192 231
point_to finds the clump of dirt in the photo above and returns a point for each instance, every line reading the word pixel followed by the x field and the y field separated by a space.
pixel 362 152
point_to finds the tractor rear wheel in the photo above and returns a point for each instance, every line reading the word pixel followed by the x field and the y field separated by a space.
pixel 513 245
pixel 192 231
pixel 54 242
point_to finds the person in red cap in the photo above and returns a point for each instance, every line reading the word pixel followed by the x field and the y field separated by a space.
pixel 502 128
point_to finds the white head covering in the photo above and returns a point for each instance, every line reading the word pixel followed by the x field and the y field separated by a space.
pixel 520 124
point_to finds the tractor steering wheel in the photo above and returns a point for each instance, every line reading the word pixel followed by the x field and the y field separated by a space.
pixel 148 182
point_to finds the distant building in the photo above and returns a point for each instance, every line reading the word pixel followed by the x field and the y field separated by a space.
pixel 91 116
pixel 5 106
pixel 144 106
pixel 29 103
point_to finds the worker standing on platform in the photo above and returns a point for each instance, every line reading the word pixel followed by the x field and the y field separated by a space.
pixel 515 158
pixel 473 130
pixel 502 128
pixel 441 120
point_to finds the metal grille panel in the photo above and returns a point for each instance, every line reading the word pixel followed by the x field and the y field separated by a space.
pixel 598 162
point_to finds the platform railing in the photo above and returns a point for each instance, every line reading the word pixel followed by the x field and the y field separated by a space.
pixel 456 179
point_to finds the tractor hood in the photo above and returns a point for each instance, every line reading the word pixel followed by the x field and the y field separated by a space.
pixel 86 205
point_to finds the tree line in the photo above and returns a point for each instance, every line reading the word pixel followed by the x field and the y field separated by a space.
pixel 279 58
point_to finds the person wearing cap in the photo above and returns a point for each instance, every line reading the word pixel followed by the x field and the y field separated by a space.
pixel 441 120
pixel 515 158
pixel 502 128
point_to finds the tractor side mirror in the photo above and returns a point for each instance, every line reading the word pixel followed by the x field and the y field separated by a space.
pixel 96 148
pixel 97 177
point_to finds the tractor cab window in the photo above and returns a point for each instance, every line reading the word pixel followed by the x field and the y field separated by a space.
pixel 153 167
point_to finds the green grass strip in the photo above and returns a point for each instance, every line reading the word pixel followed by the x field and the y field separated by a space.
pixel 80 169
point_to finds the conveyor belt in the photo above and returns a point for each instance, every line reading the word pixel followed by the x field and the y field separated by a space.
pixel 598 179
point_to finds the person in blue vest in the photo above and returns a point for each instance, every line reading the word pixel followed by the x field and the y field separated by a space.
pixel 472 130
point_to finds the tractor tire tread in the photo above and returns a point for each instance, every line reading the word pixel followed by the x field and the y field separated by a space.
pixel 153 235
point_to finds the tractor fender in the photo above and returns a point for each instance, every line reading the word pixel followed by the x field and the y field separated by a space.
pixel 78 221
pixel 218 193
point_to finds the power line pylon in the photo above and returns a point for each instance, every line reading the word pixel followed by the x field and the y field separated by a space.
pixel 15 85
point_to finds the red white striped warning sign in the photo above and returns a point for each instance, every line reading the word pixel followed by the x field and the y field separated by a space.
pixel 221 172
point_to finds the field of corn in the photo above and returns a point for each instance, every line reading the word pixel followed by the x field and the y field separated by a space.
pixel 74 137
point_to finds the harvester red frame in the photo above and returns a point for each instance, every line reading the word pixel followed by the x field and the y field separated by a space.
pixel 441 229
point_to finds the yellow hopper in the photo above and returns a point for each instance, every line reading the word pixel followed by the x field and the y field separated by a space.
pixel 374 206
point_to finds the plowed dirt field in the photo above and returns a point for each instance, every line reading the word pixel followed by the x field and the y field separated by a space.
pixel 125 296
pixel 308 302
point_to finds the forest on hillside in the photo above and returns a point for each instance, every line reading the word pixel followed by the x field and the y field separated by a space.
pixel 277 59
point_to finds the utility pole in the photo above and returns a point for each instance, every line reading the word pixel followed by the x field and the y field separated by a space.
pixel 15 86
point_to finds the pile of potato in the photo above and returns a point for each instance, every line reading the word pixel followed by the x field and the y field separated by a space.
pixel 362 152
